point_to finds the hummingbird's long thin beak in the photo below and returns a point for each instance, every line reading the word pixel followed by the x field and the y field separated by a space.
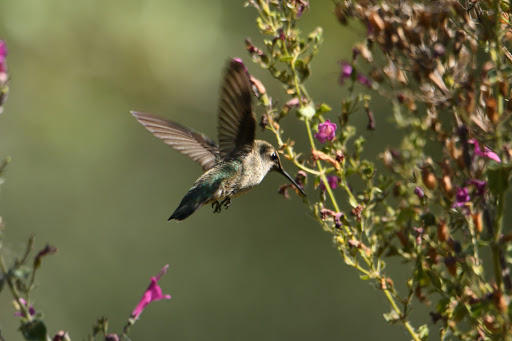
pixel 282 171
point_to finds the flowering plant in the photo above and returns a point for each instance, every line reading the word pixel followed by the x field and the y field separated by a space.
pixel 436 201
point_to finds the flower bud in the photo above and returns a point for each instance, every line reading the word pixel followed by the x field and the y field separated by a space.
pixel 499 301
pixel 442 231
pixel 477 221
pixel 446 185
pixel 428 178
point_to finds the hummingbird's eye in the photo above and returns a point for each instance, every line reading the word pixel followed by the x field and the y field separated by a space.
pixel 273 156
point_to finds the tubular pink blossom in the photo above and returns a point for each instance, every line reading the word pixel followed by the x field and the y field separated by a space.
pixel 152 293
pixel 487 153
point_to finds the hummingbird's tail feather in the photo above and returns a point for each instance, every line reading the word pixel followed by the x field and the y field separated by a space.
pixel 194 199
pixel 184 211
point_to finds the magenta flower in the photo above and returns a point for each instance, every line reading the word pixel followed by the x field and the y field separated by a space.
pixel 419 192
pixel 364 80
pixel 153 293
pixel 332 180
pixel 346 71
pixel 3 62
pixel 479 185
pixel 486 152
pixel 326 131
pixel 3 55
pixel 462 196
pixel 31 309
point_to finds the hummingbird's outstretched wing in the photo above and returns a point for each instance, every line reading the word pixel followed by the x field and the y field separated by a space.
pixel 236 122
pixel 193 144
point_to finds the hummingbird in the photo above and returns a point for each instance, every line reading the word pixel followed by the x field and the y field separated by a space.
pixel 237 163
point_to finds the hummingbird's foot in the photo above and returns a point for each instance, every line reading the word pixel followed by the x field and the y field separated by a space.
pixel 216 206
pixel 226 202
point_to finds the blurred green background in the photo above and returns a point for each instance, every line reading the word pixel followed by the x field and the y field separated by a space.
pixel 87 178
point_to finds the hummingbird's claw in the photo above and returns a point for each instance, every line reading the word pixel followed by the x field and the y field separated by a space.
pixel 216 207
pixel 226 202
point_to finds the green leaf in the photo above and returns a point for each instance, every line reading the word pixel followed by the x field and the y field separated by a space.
pixel 302 68
pixel 261 24
pixel 359 144
pixel 423 332
pixel 322 109
pixel 307 111
pixel 499 179
pixel 22 272
pixel 34 330
pixel 286 59
pixel 352 202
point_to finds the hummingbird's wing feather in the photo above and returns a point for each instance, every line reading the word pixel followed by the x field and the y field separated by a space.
pixel 236 122
pixel 193 144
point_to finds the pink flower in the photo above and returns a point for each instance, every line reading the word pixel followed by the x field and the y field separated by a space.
pixel 462 196
pixel 486 152
pixel 326 131
pixel 479 185
pixel 3 61
pixel 31 309
pixel 346 71
pixel 364 80
pixel 332 180
pixel 153 293
pixel 419 192
pixel 3 51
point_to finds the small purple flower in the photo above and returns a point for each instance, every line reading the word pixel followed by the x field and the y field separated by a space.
pixel 332 180
pixel 462 196
pixel 152 293
pixel 326 131
pixel 346 71
pixel 479 185
pixel 486 152
pixel 364 80
pixel 31 309
pixel 419 192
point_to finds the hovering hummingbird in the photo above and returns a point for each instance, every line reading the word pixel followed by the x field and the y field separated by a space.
pixel 237 163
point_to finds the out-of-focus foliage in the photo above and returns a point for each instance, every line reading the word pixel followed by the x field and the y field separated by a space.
pixel 439 207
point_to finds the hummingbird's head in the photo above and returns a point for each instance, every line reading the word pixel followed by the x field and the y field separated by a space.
pixel 270 158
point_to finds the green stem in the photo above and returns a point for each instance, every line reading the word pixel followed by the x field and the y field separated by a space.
pixel 496 240
pixel 14 290
pixel 407 325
